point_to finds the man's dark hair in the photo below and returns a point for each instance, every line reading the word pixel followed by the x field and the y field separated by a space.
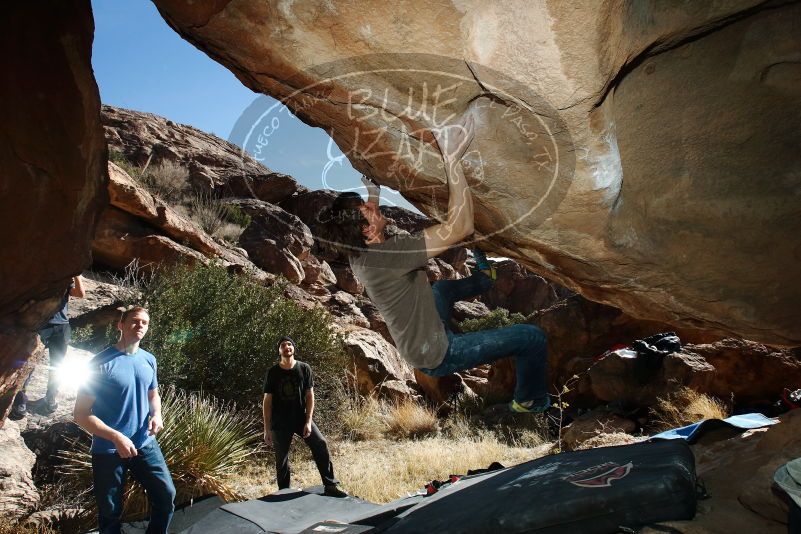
pixel 341 225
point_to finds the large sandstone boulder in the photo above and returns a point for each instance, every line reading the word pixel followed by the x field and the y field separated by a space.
pixel 375 361
pixel 276 240
pixel 346 279
pixel 580 330
pixel 751 372
pixel 129 196
pixel 346 307
pixel 697 106
pixel 152 213
pixel 121 238
pixel 53 161
pixel 317 272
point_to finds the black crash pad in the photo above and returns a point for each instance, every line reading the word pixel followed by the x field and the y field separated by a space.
pixel 593 492
pixel 287 511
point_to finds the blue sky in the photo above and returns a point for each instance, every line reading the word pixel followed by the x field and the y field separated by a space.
pixel 140 63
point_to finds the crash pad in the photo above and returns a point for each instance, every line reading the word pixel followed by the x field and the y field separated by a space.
pixel 691 433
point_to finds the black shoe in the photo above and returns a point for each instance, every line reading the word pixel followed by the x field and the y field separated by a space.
pixel 20 407
pixel 334 491
pixel 49 406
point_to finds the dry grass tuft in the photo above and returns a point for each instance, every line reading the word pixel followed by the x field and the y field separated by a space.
pixel 229 232
pixel 411 420
pixel 362 418
pixel 11 526
pixel 685 407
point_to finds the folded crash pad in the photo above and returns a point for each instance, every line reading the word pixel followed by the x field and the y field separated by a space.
pixel 693 432
pixel 287 511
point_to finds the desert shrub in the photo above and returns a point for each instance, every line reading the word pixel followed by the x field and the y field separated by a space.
pixel 683 407
pixel 82 335
pixel 208 211
pixel 217 331
pixel 497 318
pixel 236 215
pixel 204 440
pixel 167 180
pixel 411 420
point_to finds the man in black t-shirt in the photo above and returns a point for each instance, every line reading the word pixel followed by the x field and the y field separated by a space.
pixel 287 409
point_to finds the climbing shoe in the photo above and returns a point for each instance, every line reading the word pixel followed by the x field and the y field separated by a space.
pixel 532 406
pixel 483 264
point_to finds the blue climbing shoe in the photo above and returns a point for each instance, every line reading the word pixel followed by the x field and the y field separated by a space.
pixel 483 264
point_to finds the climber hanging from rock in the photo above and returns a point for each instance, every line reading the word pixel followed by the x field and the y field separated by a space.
pixel 417 314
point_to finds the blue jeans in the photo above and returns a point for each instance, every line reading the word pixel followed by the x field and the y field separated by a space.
pixel 525 342
pixel 150 470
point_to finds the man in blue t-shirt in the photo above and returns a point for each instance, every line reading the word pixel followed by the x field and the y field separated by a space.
pixel 120 406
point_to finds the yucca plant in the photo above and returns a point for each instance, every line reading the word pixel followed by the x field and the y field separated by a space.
pixel 203 441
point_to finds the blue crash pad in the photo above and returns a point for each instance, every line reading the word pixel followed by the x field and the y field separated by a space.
pixel 691 433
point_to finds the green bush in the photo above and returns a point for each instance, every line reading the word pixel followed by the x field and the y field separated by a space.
pixel 497 318
pixel 204 441
pixel 236 215
pixel 218 332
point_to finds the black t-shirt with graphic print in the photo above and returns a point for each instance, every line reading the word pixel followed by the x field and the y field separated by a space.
pixel 288 388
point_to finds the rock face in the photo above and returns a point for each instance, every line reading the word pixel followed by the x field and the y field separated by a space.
pixel 53 161
pixel 519 291
pixel 276 240
pixel 593 424
pixel 578 330
pixel 129 196
pixel 211 161
pixel 17 491
pixel 140 226
pixel 620 147
pixel 121 238
pixel 747 372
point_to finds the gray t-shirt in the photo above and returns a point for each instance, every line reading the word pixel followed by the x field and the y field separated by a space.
pixel 393 275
